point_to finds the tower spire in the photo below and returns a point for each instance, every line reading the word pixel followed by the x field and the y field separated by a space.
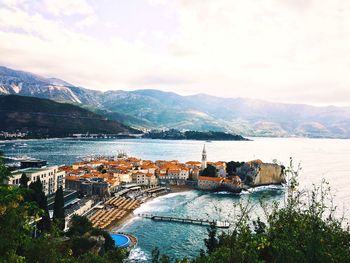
pixel 204 158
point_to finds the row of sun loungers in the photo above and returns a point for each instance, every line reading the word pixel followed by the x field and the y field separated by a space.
pixel 116 209
pixel 124 203
pixel 103 217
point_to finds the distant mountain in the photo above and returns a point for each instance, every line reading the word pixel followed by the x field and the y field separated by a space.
pixel 14 82
pixel 46 118
pixel 157 109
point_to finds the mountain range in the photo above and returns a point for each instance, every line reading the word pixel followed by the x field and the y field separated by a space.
pixel 149 108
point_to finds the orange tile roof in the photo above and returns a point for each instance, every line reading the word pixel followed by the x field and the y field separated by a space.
pixel 72 178
pixel 207 178
pixel 193 162
pixel 148 167
pixel 174 170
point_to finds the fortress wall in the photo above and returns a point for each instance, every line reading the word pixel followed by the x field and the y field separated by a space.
pixel 269 174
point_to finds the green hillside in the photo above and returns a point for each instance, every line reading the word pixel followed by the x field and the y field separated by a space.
pixel 46 118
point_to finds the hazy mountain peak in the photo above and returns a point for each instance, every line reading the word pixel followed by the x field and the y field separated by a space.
pixel 59 82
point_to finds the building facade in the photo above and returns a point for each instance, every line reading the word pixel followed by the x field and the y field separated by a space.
pixel 50 176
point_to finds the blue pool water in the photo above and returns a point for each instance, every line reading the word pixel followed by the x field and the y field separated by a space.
pixel 121 240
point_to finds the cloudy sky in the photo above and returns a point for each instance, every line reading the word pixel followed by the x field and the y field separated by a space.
pixel 277 50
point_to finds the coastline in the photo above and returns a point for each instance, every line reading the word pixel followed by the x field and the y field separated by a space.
pixel 114 228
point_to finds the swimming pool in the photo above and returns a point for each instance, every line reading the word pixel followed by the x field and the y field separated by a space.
pixel 121 240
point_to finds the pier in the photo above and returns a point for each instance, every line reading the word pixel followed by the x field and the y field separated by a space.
pixel 219 224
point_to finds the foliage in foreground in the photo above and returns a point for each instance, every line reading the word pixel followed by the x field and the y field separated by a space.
pixel 22 207
pixel 304 229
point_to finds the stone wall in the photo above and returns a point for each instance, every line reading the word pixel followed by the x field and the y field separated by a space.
pixel 208 185
pixel 269 174
pixel 256 173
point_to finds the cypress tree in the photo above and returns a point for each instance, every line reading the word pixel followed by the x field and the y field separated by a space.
pixel 23 181
pixel 58 210
pixel 211 242
pixel 39 197
pixel 4 172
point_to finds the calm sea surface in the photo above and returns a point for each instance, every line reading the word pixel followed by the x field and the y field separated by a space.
pixel 320 159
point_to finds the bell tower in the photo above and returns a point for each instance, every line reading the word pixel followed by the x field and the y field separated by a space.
pixel 204 158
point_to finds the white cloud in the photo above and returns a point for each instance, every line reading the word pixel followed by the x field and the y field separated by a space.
pixel 68 7
pixel 87 21
pixel 280 50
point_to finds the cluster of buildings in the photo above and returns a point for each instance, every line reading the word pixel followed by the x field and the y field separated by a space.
pixel 105 175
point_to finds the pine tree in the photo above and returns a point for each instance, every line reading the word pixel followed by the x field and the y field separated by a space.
pixel 58 210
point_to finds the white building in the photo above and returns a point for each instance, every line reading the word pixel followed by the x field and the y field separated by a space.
pixel 139 178
pixel 125 177
pixel 50 177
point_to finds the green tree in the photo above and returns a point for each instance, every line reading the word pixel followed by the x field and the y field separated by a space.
pixel 79 226
pixel 23 181
pixel 15 214
pixel 212 241
pixel 232 166
pixel 209 171
pixel 58 209
pixel 38 196
pixel 15 217
pixel 4 172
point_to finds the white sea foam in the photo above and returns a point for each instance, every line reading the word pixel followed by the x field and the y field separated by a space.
pixel 137 255
pixel 158 204
pixel 266 187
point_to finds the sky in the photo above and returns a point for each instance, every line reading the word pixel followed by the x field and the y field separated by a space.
pixel 294 51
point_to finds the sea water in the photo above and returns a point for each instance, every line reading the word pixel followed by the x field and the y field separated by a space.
pixel 319 158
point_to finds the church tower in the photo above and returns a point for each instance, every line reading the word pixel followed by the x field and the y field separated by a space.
pixel 204 158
